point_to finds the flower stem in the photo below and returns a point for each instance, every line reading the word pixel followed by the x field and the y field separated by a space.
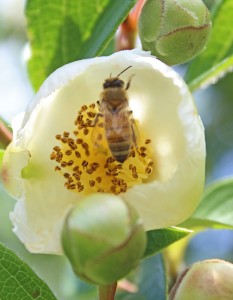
pixel 127 32
pixel 5 134
pixel 107 292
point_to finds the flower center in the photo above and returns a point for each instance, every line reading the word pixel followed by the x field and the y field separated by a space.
pixel 88 165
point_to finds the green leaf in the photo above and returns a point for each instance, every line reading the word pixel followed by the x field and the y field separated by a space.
pixel 162 238
pixel 1 157
pixel 212 75
pixel 18 281
pixel 150 279
pixel 216 60
pixel 64 31
pixel 216 208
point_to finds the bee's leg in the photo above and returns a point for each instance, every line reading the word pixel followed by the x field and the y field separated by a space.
pixel 98 102
pixel 97 118
pixel 128 83
pixel 96 142
pixel 134 134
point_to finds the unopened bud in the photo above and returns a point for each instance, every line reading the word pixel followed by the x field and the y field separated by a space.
pixel 205 280
pixel 103 238
pixel 174 30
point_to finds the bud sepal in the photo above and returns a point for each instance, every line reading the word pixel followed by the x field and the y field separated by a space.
pixel 174 31
pixel 103 238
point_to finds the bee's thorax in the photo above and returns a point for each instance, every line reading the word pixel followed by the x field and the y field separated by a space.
pixel 114 97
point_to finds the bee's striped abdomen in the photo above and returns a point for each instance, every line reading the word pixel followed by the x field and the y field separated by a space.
pixel 120 148
pixel 119 139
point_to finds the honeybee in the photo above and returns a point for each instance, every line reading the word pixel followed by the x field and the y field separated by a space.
pixel 117 117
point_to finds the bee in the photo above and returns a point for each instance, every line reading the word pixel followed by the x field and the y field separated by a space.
pixel 117 117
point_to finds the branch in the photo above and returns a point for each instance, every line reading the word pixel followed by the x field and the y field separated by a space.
pixel 107 292
pixel 5 134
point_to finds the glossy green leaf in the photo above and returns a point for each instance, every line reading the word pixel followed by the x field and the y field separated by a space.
pixel 213 74
pixel 216 208
pixel 216 60
pixel 18 281
pixel 150 279
pixel 162 238
pixel 52 268
pixel 64 31
pixel 1 157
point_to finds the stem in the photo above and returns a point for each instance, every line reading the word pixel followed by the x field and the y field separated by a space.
pixel 107 292
pixel 5 134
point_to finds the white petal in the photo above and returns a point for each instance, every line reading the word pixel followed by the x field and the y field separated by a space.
pixel 161 101
pixel 179 147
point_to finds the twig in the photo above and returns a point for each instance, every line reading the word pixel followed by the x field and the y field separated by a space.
pixel 5 134
pixel 107 292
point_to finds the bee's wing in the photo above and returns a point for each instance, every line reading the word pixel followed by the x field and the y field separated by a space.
pixel 98 133
pixel 135 132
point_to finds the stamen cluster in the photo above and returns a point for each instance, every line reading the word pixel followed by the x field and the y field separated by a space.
pixel 85 160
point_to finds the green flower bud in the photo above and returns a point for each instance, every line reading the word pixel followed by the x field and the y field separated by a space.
pixel 174 30
pixel 103 238
pixel 205 280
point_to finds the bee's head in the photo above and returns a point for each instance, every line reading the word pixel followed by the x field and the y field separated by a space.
pixel 113 82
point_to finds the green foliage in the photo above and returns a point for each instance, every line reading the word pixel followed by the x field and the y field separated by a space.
pixel 162 238
pixel 150 279
pixel 215 209
pixel 64 31
pixel 211 75
pixel 1 157
pixel 61 32
pixel 18 281
pixel 217 59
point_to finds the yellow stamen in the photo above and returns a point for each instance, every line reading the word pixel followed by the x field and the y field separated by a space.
pixel 86 162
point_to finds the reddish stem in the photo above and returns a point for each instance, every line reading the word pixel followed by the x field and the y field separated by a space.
pixel 107 292
pixel 5 134
pixel 127 33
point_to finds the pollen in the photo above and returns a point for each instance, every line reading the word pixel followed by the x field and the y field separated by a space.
pixel 85 161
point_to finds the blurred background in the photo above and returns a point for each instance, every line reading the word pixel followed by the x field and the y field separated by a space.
pixel 16 91
pixel 215 105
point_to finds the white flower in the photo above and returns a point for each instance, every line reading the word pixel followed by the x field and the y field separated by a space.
pixel 164 112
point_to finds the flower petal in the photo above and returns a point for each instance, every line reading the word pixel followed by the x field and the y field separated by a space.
pixel 164 107
pixel 179 147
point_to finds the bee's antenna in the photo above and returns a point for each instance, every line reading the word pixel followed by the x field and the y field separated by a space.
pixel 123 71
pixel 110 75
